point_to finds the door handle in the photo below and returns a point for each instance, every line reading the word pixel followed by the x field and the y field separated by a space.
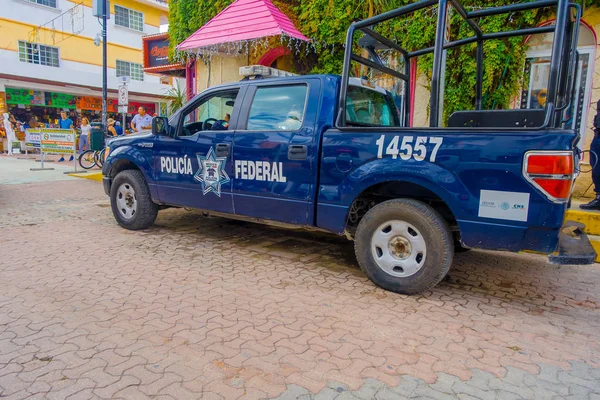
pixel 223 149
pixel 297 152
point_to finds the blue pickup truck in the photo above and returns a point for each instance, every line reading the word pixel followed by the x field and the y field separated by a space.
pixel 338 154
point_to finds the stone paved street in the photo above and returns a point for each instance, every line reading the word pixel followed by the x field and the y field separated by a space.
pixel 217 309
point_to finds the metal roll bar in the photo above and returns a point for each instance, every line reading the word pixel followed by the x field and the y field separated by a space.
pixel 562 64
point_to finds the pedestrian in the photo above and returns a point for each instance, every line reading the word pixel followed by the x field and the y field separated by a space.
pixel 118 128
pixel 10 133
pixel 33 124
pixel 141 120
pixel 111 127
pixel 65 123
pixel 595 160
pixel 84 139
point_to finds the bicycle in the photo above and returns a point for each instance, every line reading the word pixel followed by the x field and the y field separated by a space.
pixel 87 159
pixel 91 158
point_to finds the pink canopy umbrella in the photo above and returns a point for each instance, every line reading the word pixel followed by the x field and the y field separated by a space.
pixel 243 20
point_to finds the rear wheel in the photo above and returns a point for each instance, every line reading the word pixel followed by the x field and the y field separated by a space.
pixel 86 159
pixel 131 202
pixel 404 246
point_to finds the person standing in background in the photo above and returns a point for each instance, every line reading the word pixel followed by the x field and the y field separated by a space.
pixel 111 127
pixel 141 120
pixel 10 133
pixel 595 161
pixel 33 124
pixel 118 128
pixel 86 128
pixel 65 123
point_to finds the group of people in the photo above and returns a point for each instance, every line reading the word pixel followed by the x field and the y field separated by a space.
pixel 9 125
pixel 140 121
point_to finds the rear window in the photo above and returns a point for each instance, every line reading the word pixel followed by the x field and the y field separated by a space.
pixel 279 108
pixel 367 107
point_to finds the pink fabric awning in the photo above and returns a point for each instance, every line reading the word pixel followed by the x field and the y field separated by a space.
pixel 242 20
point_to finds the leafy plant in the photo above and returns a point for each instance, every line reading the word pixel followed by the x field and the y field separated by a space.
pixel 176 97
pixel 326 22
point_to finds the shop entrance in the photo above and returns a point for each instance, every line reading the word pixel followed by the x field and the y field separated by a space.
pixel 537 69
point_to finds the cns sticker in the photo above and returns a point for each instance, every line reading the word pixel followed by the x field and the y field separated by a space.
pixel 511 206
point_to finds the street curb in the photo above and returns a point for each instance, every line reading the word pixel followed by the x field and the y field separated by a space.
pixel 591 219
pixel 95 176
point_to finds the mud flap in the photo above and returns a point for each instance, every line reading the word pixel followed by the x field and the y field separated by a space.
pixel 574 247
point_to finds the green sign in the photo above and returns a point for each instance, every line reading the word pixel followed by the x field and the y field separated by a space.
pixel 18 96
pixel 60 100
pixel 30 97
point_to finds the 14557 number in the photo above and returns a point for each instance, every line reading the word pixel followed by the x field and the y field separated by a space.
pixel 408 149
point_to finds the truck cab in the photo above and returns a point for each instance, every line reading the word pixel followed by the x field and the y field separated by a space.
pixel 338 154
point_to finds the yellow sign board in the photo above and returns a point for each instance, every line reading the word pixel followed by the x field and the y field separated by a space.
pixel 56 141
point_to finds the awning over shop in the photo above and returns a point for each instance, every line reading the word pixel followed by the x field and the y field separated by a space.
pixel 242 20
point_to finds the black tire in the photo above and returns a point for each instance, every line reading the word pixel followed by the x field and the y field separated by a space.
pixel 426 225
pixel 146 210
pixel 87 159
pixel 99 157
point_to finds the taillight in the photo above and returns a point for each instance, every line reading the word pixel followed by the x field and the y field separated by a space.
pixel 551 173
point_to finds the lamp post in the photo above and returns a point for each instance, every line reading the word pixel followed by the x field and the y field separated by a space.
pixel 104 71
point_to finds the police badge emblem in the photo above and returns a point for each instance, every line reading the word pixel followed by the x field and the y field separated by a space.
pixel 212 172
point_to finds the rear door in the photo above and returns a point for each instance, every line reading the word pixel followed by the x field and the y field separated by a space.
pixel 275 152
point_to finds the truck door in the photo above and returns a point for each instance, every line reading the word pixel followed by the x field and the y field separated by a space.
pixel 194 168
pixel 275 152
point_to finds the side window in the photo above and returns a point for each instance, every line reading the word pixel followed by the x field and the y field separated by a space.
pixel 212 114
pixel 278 108
pixel 369 107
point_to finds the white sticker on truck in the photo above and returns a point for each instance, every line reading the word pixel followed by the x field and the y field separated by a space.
pixel 512 206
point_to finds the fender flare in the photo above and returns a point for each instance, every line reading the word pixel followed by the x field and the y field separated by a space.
pixel 130 155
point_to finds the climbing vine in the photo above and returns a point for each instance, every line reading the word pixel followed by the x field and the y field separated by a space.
pixel 326 23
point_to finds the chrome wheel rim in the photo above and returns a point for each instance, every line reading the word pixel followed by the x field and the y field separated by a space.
pixel 126 201
pixel 398 248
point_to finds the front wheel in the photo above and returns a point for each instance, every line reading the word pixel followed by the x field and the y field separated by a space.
pixel 86 159
pixel 131 202
pixel 99 157
pixel 404 246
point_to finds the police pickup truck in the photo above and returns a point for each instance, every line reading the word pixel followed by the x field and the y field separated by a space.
pixel 338 154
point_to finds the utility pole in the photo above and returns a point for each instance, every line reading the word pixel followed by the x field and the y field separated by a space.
pixel 104 70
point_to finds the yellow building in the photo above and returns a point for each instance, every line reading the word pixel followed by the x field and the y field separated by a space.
pixel 51 57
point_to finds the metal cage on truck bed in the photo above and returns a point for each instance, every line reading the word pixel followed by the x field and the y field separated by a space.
pixel 561 80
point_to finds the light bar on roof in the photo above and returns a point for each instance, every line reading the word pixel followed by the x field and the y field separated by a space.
pixel 261 70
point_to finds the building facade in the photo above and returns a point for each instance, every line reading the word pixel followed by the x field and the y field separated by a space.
pixel 51 57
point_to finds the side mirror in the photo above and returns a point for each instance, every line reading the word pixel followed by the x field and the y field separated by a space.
pixel 160 126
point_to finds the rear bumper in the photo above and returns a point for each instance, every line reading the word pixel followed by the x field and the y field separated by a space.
pixel 574 247
pixel 106 182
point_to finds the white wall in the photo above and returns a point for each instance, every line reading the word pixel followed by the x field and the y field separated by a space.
pixel 31 13
pixel 71 72
pixel 75 73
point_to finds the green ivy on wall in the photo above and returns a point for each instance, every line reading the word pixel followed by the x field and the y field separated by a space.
pixel 327 21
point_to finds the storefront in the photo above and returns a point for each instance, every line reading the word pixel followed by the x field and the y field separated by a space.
pixel 46 107
pixel 156 61
pixel 537 70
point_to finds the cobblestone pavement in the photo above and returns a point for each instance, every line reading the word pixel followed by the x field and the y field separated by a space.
pixel 216 309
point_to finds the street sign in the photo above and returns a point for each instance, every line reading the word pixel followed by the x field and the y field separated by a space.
pixel 122 109
pixel 123 95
